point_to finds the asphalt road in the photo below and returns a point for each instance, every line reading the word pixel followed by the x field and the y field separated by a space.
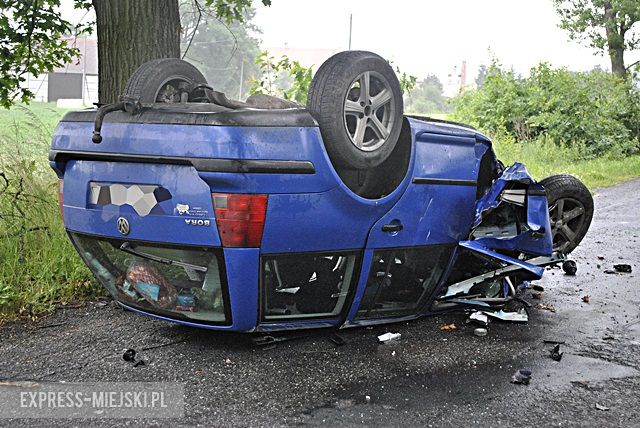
pixel 428 378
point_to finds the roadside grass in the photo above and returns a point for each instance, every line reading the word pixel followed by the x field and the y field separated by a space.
pixel 544 158
pixel 39 268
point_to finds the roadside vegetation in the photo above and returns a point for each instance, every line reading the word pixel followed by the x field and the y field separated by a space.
pixel 39 269
pixel 558 121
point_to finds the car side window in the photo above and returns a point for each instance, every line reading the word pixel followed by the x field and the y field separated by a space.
pixel 402 279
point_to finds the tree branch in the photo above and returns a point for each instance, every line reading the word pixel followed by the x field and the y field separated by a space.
pixel 629 67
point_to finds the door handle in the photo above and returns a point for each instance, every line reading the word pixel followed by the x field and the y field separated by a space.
pixel 392 227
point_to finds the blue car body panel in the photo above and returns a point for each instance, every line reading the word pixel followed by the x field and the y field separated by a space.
pixel 309 211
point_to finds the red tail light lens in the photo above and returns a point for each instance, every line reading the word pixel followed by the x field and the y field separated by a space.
pixel 60 197
pixel 240 218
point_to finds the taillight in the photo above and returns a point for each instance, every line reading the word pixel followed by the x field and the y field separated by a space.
pixel 60 197
pixel 240 218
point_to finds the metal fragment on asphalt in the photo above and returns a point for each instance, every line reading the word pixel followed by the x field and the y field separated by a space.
pixel 480 332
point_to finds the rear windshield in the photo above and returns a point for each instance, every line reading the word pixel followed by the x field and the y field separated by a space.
pixel 178 282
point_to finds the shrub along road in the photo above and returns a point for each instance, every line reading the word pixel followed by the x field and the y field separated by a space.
pixel 429 377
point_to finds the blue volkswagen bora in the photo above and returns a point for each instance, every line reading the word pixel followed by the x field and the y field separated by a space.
pixel 267 215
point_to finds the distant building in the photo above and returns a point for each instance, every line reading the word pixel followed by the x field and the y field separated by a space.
pixel 74 81
pixel 457 81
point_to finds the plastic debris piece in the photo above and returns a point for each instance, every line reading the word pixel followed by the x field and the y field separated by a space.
pixel 586 298
pixel 556 355
pixel 624 268
pixel 520 316
pixel 129 355
pixel 600 257
pixel 388 337
pixel 448 327
pixel 601 407
pixel 521 377
pixel 478 318
pixel 610 272
pixel 480 332
pixel 569 267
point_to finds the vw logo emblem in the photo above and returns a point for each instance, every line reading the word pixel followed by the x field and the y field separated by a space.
pixel 123 226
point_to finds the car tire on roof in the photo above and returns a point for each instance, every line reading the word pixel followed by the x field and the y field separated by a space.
pixel 163 80
pixel 570 211
pixel 356 98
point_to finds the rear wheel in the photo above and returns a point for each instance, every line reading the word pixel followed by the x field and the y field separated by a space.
pixel 570 211
pixel 356 98
pixel 166 80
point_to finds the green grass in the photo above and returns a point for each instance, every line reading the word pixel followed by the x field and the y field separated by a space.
pixel 30 124
pixel 543 158
pixel 38 266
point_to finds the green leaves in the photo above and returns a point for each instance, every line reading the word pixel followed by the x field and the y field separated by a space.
pixel 231 10
pixel 605 25
pixel 594 110
pixel 31 41
pixel 283 78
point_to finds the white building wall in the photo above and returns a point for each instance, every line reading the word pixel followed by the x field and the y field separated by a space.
pixel 40 87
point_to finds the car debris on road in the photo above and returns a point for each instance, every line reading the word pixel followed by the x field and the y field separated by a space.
pixel 521 377
pixel 556 355
pixel 623 268
pixel 389 337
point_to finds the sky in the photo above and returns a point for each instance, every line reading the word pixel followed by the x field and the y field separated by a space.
pixel 431 36
pixel 426 36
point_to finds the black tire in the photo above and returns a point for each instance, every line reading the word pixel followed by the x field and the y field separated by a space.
pixel 567 196
pixel 357 133
pixel 163 80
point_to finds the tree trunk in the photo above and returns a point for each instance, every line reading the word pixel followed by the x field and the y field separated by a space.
pixel 617 62
pixel 130 33
pixel 615 41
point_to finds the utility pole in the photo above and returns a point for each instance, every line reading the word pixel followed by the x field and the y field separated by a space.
pixel 241 79
pixel 350 28
pixel 84 68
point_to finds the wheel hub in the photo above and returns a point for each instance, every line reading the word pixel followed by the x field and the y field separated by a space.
pixel 369 111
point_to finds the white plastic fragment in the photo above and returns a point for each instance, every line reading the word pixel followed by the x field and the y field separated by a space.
pixel 388 337
pixel 520 316
pixel 480 317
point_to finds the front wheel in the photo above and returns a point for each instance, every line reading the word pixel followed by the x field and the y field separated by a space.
pixel 570 211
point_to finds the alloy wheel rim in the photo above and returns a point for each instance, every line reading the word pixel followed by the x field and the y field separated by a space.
pixel 567 216
pixel 369 111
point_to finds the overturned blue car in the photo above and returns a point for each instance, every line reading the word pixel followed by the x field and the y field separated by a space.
pixel 265 215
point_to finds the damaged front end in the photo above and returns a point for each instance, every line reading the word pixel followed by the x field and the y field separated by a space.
pixel 510 244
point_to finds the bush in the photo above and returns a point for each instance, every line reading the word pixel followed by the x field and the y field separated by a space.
pixel 595 111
